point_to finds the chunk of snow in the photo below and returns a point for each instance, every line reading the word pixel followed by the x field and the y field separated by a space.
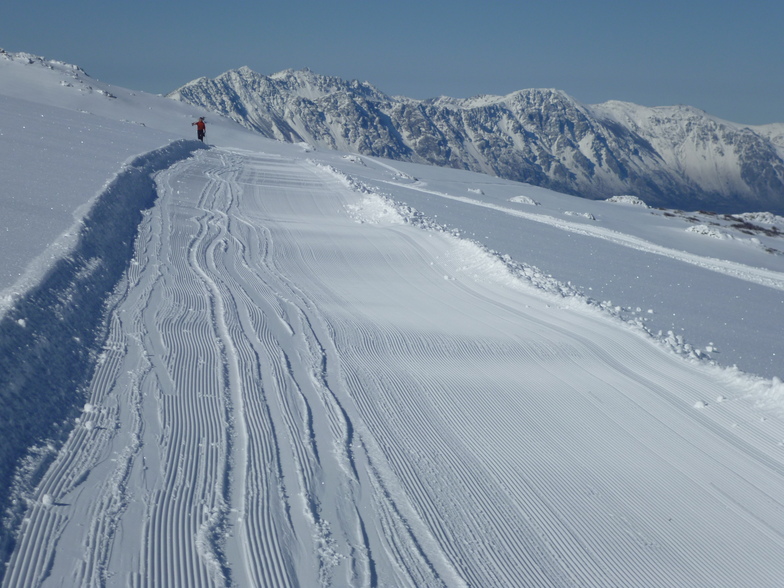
pixel 765 218
pixel 626 199
pixel 524 200
pixel 708 232
pixel 587 215
pixel 354 159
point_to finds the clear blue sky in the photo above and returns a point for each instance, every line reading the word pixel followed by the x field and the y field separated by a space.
pixel 724 56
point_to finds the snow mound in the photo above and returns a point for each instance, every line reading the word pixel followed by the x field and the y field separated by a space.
pixel 524 200
pixel 712 232
pixel 765 218
pixel 587 215
pixel 30 59
pixel 633 200
pixel 375 211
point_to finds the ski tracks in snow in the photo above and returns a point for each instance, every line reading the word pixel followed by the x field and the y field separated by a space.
pixel 290 398
pixel 215 450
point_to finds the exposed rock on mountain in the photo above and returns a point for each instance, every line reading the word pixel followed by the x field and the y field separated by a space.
pixel 676 156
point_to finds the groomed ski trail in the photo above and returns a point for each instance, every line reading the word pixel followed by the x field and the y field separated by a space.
pixel 289 397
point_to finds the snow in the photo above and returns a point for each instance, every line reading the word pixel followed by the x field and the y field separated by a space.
pixel 633 200
pixel 276 365
pixel 708 232
pixel 524 200
pixel 711 166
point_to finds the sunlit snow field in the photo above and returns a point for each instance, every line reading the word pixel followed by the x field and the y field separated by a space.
pixel 324 369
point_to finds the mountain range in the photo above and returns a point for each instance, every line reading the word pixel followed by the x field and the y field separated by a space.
pixel 673 156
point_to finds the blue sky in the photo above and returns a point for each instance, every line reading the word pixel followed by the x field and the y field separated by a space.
pixel 724 56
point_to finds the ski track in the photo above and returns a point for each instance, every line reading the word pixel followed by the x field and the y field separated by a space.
pixel 290 398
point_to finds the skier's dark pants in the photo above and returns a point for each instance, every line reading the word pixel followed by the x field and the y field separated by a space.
pixel 200 134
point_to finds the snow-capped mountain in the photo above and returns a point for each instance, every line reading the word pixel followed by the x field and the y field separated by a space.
pixel 675 156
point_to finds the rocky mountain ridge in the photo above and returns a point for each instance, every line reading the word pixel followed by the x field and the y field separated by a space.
pixel 678 156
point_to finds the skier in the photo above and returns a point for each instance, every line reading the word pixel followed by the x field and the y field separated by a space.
pixel 201 128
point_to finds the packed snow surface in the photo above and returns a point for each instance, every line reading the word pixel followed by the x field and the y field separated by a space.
pixel 327 370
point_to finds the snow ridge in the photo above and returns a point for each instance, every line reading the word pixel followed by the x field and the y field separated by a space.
pixel 377 207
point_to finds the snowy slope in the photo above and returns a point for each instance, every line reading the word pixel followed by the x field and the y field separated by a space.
pixel 64 136
pixel 321 369
pixel 75 158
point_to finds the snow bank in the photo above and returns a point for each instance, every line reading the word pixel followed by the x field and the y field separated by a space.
pixel 49 334
pixel 377 207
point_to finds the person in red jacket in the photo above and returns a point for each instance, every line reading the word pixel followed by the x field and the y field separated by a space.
pixel 201 128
